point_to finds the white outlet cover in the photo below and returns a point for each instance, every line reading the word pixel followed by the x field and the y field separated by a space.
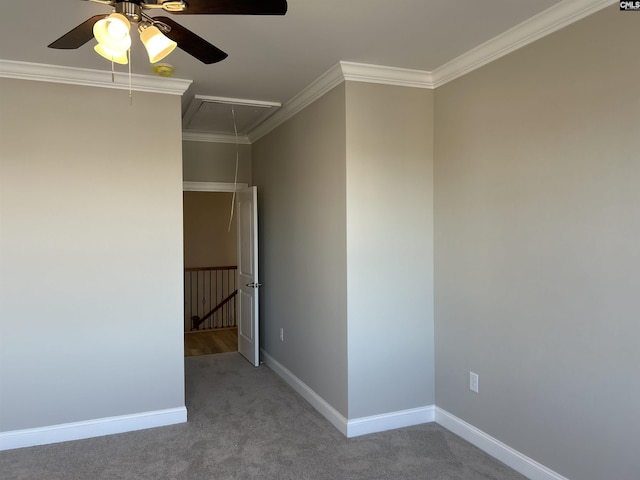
pixel 473 382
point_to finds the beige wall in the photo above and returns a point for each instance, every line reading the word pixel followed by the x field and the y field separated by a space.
pixel 299 169
pixel 90 254
pixel 345 210
pixel 208 242
pixel 389 248
pixel 536 213
pixel 215 162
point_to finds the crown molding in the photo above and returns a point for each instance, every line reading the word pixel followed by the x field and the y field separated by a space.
pixel 91 78
pixel 356 72
pixel 214 137
pixel 546 22
pixel 403 77
pixel 311 93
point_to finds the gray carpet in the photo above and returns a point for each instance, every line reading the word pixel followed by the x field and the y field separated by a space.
pixel 246 423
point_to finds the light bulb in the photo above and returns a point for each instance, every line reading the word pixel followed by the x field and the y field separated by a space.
pixel 113 32
pixel 117 29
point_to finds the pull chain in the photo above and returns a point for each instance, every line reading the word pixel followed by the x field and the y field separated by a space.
pixel 130 89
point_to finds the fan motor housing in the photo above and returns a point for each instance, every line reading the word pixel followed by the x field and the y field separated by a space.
pixel 131 10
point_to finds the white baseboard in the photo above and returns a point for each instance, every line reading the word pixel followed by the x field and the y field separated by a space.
pixel 415 416
pixel 507 455
pixel 390 421
pixel 350 428
pixel 320 404
pixel 357 426
pixel 91 428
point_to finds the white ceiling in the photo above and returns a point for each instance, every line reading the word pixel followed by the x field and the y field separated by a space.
pixel 273 58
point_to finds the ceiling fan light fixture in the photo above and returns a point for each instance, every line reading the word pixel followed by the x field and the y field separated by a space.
pixel 113 31
pixel 158 45
pixel 116 56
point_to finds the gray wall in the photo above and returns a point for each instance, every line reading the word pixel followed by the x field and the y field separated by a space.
pixel 537 224
pixel 389 248
pixel 215 162
pixel 346 215
pixel 90 254
pixel 299 170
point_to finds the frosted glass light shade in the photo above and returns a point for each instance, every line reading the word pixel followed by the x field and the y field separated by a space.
pixel 112 55
pixel 113 32
pixel 158 46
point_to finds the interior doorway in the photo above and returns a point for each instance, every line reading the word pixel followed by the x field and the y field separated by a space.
pixel 210 261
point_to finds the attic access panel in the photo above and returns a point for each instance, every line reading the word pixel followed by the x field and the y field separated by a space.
pixel 214 115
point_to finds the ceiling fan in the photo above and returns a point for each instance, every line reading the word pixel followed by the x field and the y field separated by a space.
pixel 160 35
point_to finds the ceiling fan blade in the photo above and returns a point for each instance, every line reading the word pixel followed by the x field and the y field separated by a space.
pixel 78 36
pixel 191 43
pixel 235 7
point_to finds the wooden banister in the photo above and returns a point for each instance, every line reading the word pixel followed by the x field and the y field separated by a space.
pixel 205 269
pixel 196 321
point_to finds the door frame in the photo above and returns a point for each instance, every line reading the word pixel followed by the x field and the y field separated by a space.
pixel 212 186
pixel 227 188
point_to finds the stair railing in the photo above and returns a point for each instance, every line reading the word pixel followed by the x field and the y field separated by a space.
pixel 210 297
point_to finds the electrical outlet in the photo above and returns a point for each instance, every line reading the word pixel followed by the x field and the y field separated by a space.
pixel 282 334
pixel 473 382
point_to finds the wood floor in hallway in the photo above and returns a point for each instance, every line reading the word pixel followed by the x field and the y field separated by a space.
pixel 206 342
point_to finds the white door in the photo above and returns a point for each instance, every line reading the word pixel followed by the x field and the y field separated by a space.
pixel 247 219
